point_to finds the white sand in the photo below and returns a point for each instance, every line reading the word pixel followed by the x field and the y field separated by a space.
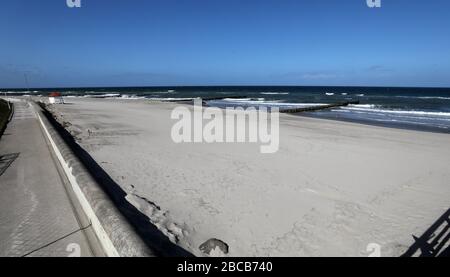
pixel 330 190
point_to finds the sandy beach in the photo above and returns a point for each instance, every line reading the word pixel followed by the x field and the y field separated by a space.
pixel 332 189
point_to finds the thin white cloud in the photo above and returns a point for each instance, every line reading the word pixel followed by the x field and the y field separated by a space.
pixel 318 75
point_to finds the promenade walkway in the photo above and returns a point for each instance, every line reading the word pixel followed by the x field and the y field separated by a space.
pixel 37 216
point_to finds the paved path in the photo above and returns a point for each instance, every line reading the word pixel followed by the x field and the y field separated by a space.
pixel 37 217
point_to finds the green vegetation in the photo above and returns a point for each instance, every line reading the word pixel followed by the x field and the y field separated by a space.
pixel 4 115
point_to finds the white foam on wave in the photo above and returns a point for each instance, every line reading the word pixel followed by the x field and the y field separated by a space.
pixel 133 96
pixel 410 122
pixel 263 102
pixel 104 95
pixel 368 106
pixel 107 96
pixel 424 97
pixel 171 98
pixel 163 92
pixel 399 112
pixel 402 116
pixel 275 93
pixel 247 100
pixel 14 92
pixel 236 99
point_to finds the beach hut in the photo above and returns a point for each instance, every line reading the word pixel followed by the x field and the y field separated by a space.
pixel 55 98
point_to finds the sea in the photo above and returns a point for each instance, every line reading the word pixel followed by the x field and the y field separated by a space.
pixel 426 109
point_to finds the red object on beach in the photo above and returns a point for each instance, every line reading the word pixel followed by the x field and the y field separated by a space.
pixel 55 94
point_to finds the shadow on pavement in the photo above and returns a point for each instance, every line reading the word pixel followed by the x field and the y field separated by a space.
pixel 6 161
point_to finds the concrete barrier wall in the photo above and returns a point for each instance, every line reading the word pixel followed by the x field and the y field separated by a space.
pixel 11 113
pixel 117 237
pixel 4 122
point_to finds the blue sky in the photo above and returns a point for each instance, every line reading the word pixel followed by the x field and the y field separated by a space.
pixel 224 42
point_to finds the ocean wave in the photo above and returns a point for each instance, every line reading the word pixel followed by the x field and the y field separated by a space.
pixel 368 106
pixel 171 98
pixel 424 97
pixel 133 96
pixel 412 122
pixel 390 115
pixel 104 95
pixel 162 92
pixel 236 99
pixel 262 102
pixel 245 99
pixel 400 112
pixel 15 92
pixel 329 93
pixel 275 93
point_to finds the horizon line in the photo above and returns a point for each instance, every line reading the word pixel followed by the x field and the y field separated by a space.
pixel 199 86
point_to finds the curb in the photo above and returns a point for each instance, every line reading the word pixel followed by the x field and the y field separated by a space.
pixel 116 236
pixel 11 111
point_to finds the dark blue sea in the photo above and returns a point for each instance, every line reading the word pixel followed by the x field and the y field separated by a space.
pixel 414 108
